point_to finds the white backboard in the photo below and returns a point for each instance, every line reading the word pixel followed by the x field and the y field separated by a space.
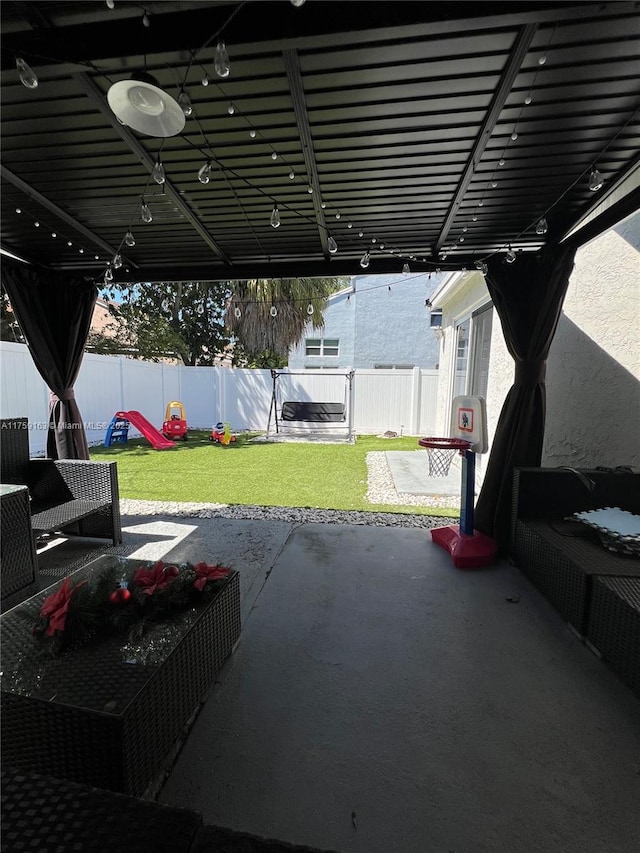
pixel 469 421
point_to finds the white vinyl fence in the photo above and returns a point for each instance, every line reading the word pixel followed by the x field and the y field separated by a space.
pixel 400 400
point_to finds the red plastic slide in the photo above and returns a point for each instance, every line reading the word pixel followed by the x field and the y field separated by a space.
pixel 153 436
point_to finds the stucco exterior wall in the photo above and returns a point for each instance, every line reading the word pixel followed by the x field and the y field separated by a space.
pixel 377 326
pixel 593 371
pixel 339 318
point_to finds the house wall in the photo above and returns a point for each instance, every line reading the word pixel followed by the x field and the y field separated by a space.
pixel 378 326
pixel 470 295
pixel 339 318
pixel 593 371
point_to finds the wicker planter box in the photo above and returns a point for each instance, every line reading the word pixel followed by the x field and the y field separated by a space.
pixel 108 714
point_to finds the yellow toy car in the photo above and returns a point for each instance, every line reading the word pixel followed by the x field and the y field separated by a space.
pixel 175 421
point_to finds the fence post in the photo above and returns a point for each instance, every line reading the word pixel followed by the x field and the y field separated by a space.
pixel 416 377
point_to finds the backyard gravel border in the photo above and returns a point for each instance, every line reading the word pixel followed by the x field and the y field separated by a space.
pixel 380 490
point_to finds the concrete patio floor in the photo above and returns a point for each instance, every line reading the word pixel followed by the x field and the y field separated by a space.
pixel 382 701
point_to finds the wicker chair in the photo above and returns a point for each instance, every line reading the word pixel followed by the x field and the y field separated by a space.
pixel 71 496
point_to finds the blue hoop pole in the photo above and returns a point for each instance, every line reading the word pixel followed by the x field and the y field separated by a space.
pixel 467 493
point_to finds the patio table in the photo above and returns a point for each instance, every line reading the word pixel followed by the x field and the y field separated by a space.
pixel 111 712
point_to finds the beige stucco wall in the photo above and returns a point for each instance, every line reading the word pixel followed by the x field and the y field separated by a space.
pixel 593 371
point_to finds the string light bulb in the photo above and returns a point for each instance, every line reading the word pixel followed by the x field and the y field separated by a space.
pixel 510 256
pixel 237 313
pixel 200 308
pixel 28 76
pixel 482 267
pixel 292 175
pixel 332 246
pixel 231 109
pixel 221 60
pixel 275 217
pixel 205 79
pixel 406 270
pixel 158 174
pixel 145 212
pixel 204 173
pixel 117 261
pixel 542 227
pixel 108 274
pixel 129 239
pixel 146 20
pixel 365 260
pixel 297 3
pixel 185 103
pixel 165 304
pixel 252 133
pixel 310 309
pixel 273 311
pixel 595 180
pixel 111 4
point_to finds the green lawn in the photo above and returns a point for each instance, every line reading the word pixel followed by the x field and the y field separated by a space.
pixel 327 476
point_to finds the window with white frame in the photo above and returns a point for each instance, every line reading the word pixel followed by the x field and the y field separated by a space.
pixel 322 346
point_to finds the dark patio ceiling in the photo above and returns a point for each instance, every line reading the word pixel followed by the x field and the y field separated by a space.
pixel 398 115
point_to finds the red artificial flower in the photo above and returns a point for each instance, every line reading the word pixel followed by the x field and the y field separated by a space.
pixel 206 573
pixel 152 578
pixel 56 605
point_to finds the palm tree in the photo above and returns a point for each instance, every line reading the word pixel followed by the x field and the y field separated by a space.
pixel 271 315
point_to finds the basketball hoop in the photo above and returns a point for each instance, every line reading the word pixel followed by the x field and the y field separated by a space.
pixel 441 452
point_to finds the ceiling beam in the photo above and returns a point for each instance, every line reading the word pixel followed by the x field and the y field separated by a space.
pixel 321 24
pixel 94 93
pixel 292 67
pixel 296 268
pixel 511 71
pixel 32 193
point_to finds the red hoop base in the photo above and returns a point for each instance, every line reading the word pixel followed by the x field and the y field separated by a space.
pixel 467 552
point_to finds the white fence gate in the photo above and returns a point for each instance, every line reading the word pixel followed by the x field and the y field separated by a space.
pixel 400 400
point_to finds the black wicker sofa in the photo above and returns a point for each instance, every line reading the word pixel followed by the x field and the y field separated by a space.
pixel 75 497
pixel 596 590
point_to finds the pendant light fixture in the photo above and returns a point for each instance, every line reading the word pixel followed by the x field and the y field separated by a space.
pixel 140 103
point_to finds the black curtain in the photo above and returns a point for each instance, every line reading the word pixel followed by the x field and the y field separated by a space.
pixel 528 296
pixel 54 312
